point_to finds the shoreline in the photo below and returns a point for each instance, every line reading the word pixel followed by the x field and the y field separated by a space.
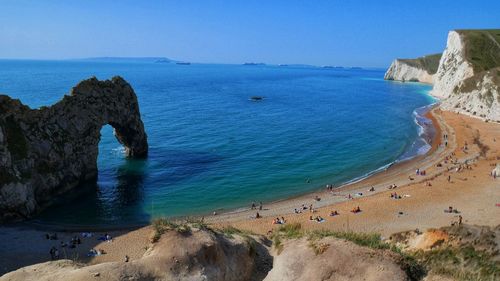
pixel 376 176
pixel 472 191
pixel 390 167
pixel 421 195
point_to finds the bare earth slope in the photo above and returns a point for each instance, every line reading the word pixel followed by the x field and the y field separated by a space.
pixel 203 254
pixel 192 255
pixel 341 261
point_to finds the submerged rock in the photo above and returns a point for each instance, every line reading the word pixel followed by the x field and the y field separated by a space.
pixel 47 151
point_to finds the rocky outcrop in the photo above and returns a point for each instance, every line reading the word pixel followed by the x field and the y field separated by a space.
pixel 467 79
pixel 47 151
pixel 194 255
pixel 414 70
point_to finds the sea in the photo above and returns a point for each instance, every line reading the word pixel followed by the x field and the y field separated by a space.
pixel 213 148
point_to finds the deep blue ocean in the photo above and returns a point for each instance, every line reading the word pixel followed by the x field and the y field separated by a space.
pixel 212 148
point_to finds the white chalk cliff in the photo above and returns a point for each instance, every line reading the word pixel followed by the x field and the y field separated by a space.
pixel 468 76
pixel 414 70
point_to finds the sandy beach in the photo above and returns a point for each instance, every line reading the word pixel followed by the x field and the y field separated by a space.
pixel 473 192
pixel 461 180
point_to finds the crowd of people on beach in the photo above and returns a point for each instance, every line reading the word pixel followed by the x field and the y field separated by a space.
pixel 450 161
pixel 55 252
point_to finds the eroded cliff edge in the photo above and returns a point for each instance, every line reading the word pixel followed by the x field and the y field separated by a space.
pixel 47 151
pixel 467 79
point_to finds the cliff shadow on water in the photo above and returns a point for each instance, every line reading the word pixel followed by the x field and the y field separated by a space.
pixel 123 193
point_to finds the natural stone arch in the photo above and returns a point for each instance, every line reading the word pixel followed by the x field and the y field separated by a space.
pixel 50 150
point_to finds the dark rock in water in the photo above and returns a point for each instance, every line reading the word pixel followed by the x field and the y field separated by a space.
pixel 48 151
pixel 256 98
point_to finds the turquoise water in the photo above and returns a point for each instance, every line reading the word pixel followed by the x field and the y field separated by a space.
pixel 211 148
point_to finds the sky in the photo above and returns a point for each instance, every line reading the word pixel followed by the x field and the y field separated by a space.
pixel 334 32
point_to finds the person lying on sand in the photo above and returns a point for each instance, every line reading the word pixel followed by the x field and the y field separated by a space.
pixel 392 186
pixel 106 237
pixel 334 213
pixel 279 221
pixel 319 219
pixel 395 196
pixel 356 210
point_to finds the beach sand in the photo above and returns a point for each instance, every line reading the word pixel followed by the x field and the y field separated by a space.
pixel 473 192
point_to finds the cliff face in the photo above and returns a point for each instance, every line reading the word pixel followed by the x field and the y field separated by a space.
pixel 416 70
pixel 467 79
pixel 47 151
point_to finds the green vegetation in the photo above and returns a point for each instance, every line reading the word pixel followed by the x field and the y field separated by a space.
pixel 230 231
pixel 460 263
pixel 370 240
pixel 163 225
pixel 430 63
pixel 482 48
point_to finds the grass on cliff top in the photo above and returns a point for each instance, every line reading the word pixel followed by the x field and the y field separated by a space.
pixel 162 225
pixel 459 263
pixel 371 240
pixel 482 48
pixel 430 63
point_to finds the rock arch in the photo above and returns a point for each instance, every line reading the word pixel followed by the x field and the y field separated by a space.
pixel 47 151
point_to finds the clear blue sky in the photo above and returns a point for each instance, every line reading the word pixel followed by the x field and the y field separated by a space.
pixel 335 32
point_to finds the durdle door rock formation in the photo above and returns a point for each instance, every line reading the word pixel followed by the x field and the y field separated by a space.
pixel 468 77
pixel 414 70
pixel 47 151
